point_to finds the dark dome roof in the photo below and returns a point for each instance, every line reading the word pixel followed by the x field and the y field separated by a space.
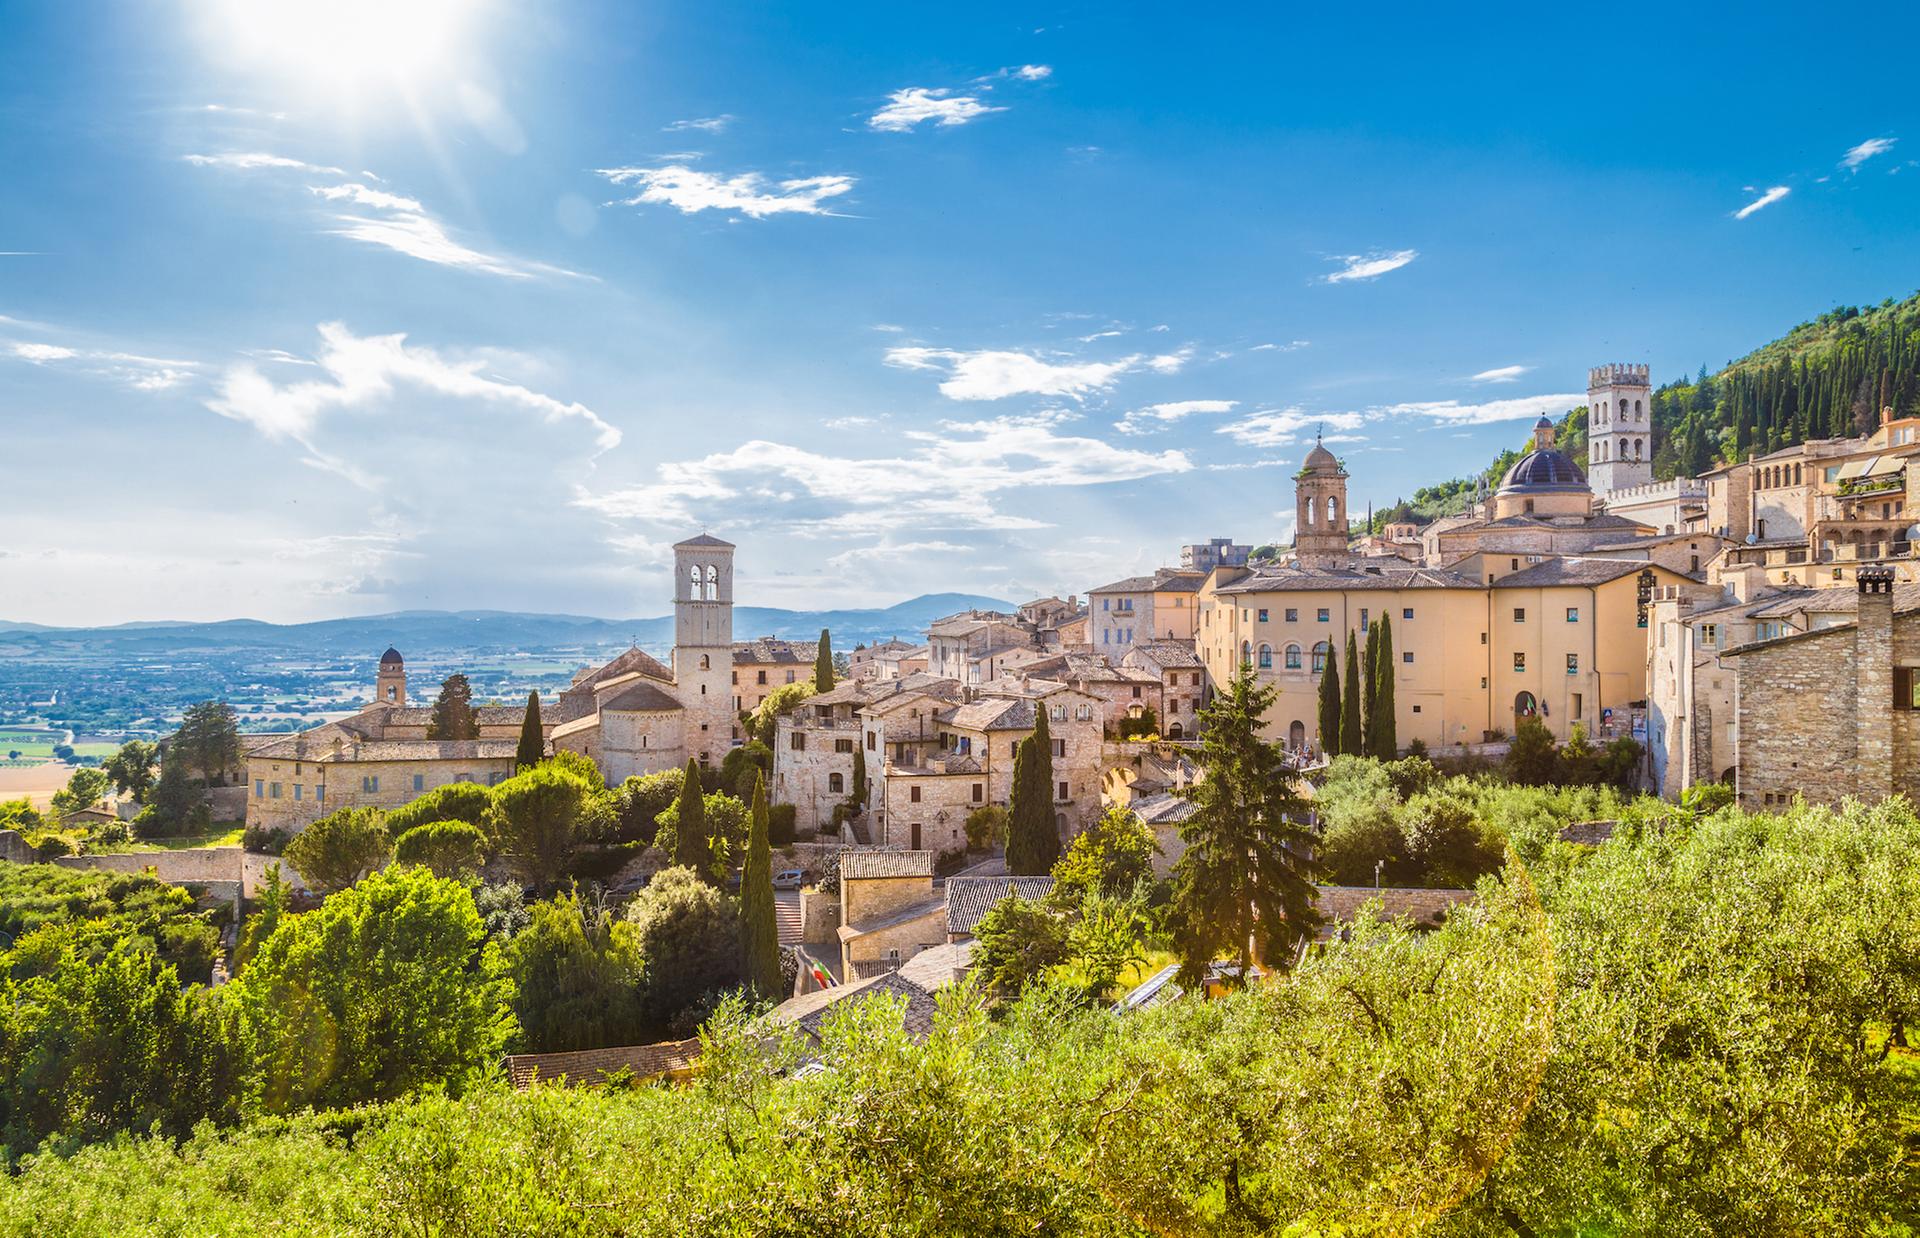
pixel 1545 469
pixel 390 658
pixel 1320 460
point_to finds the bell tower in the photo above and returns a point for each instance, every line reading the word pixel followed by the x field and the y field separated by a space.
pixel 703 643
pixel 1320 510
pixel 1619 428
pixel 391 687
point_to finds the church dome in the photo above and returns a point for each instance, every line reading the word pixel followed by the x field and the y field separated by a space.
pixel 390 658
pixel 1320 460
pixel 1543 471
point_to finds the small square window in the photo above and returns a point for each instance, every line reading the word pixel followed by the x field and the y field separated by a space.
pixel 1416 709
pixel 1519 614
pixel 273 790
pixel 1407 613
pixel 419 782
pixel 1263 616
pixel 1573 614
pixel 1293 615
pixel 1573 664
pixel 1407 657
pixel 913 795
pixel 1326 615
pixel 1519 661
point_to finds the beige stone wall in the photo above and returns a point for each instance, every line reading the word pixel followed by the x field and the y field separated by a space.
pixel 636 744
pixel 872 898
pixel 310 790
pixel 819 916
pixel 803 776
pixel 908 939
pixel 195 865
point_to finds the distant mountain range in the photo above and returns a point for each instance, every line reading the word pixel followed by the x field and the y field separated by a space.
pixel 480 630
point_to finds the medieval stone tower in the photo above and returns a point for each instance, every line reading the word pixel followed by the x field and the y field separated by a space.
pixel 1619 428
pixel 703 643
pixel 391 687
pixel 1320 509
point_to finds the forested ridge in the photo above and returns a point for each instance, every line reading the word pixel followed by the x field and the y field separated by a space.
pixel 1826 378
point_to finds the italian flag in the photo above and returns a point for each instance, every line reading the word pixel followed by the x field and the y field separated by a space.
pixel 819 974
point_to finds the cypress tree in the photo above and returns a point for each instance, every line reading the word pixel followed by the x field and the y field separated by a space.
pixel 1350 723
pixel 858 795
pixel 760 935
pixel 452 716
pixel 1368 684
pixel 691 845
pixel 823 664
pixel 1033 843
pixel 533 740
pixel 1330 706
pixel 1383 740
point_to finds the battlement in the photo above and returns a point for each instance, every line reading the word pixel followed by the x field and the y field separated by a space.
pixel 1617 375
pixel 1659 491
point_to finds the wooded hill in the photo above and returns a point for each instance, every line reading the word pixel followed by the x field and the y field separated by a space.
pixel 1827 378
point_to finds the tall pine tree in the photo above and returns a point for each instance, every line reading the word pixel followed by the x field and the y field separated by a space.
pixel 1330 742
pixel 760 936
pixel 1383 740
pixel 533 737
pixel 823 664
pixel 858 794
pixel 452 716
pixel 1246 874
pixel 1033 842
pixel 1370 685
pixel 1352 737
pixel 691 847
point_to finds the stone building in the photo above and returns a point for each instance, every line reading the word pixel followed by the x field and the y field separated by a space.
pixel 638 716
pixel 1142 608
pixel 1619 428
pixel 979 645
pixel 1690 682
pixel 1203 557
pixel 931 762
pixel 1183 683
pixel 765 665
pixel 1124 692
pixel 889 911
pixel 874 661
pixel 1833 712
pixel 1320 531
pixel 813 749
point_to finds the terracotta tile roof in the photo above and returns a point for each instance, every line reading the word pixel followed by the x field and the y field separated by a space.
pixel 391 750
pixel 1294 579
pixel 766 650
pixel 1165 580
pixel 809 1011
pixel 641 696
pixel 970 898
pixel 589 1067
pixel 1162 808
pixel 991 714
pixel 704 539
pixel 1168 654
pixel 484 715
pixel 937 967
pixel 1573 572
pixel 861 865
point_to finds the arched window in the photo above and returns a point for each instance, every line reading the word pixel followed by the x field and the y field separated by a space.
pixel 1636 411
pixel 1333 512
pixel 1246 651
pixel 706 663
pixel 1293 657
pixel 1311 511
pixel 713 583
pixel 695 573
pixel 1297 736
pixel 1266 657
pixel 1319 657
pixel 835 783
pixel 1637 443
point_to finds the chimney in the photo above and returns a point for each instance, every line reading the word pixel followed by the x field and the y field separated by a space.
pixel 1873 684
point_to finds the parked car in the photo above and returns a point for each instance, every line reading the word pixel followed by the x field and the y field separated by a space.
pixel 790 879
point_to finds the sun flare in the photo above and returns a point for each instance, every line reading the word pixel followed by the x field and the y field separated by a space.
pixel 345 46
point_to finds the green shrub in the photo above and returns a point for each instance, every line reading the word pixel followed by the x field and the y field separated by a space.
pixel 781 820
pixel 448 848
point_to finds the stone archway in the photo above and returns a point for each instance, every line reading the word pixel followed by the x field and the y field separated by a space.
pixel 1524 707
pixel 1297 736
pixel 1174 731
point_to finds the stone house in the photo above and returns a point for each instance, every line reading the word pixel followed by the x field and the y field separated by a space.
pixel 942 761
pixel 1123 691
pixel 1835 711
pixel 888 910
pixel 1691 732
pixel 1159 606
pixel 764 665
pixel 974 646
pixel 881 660
pixel 814 743
pixel 1183 683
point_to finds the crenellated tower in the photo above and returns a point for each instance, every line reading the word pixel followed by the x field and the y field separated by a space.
pixel 1619 428
pixel 703 643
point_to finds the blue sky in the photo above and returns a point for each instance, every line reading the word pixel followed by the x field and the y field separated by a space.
pixel 321 307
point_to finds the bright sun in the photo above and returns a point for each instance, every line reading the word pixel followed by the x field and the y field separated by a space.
pixel 344 46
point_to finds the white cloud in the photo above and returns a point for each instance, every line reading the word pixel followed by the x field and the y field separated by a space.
pixel 849 422
pixel 750 193
pixel 705 124
pixel 1032 72
pixel 910 107
pixel 40 354
pixel 1500 374
pixel 1764 200
pixel 139 372
pixel 1282 427
pixel 360 195
pixel 1858 155
pixel 993 374
pixel 254 161
pixel 1160 416
pixel 885 550
pixel 1453 412
pixel 943 480
pixel 366 370
pixel 1289 346
pixel 1371 265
